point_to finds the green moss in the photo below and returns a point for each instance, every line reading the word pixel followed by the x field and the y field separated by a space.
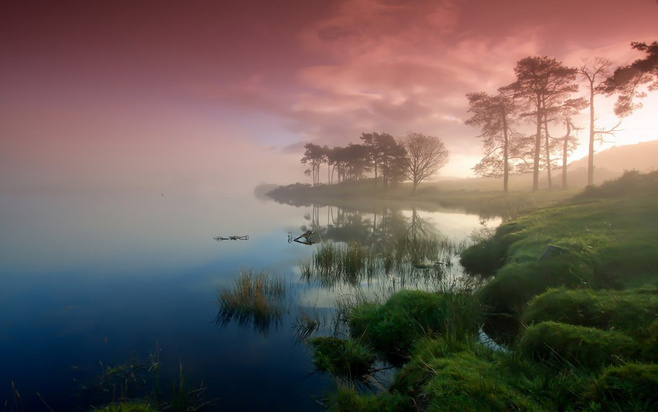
pixel 630 311
pixel 342 357
pixel 631 387
pixel 577 345
pixel 447 377
pixel 486 257
pixel 517 283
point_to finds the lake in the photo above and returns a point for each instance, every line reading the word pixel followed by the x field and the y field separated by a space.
pixel 107 294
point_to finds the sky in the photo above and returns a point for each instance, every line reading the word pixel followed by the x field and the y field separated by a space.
pixel 169 95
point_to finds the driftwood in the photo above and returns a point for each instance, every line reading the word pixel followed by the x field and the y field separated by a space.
pixel 304 238
pixel 234 237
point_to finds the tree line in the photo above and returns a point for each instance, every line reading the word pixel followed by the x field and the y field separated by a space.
pixel 413 157
pixel 517 125
pixel 544 95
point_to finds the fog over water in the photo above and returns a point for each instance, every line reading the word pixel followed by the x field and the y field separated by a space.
pixel 91 280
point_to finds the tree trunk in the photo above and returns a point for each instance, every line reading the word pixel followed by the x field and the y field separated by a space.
pixel 548 155
pixel 505 154
pixel 535 169
pixel 565 153
pixel 590 155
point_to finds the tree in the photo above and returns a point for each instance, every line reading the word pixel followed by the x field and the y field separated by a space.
pixel 386 155
pixel 425 156
pixel 493 115
pixel 626 80
pixel 314 156
pixel 595 72
pixel 543 83
pixel 356 158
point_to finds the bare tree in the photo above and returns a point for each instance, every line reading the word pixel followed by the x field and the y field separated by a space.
pixel 425 156
pixel 595 72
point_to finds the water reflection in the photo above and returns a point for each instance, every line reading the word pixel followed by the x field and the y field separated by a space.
pixel 370 254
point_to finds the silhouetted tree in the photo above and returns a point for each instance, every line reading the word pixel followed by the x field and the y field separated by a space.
pixel 493 114
pixel 386 156
pixel 627 80
pixel 314 156
pixel 544 83
pixel 425 156
pixel 595 72
pixel 357 160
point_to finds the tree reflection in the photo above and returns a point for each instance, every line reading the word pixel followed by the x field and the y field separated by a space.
pixel 387 246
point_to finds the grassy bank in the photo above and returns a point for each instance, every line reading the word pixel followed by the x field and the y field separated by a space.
pixel 575 284
pixel 477 196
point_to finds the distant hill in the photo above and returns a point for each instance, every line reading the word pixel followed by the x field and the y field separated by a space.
pixel 641 156
pixel 611 163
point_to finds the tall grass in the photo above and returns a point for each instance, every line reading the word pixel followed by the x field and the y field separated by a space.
pixel 405 262
pixel 256 299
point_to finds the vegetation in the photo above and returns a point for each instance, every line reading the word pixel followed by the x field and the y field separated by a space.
pixel 578 278
pixel 415 157
pixel 626 80
pixel 257 299
pixel 342 357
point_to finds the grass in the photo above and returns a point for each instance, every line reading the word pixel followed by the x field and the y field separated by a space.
pixel 393 327
pixel 631 311
pixel 346 358
pixel 578 346
pixel 256 299
pixel 404 262
pixel 610 235
pixel 589 310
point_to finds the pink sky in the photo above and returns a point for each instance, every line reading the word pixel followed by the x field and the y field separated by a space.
pixel 159 93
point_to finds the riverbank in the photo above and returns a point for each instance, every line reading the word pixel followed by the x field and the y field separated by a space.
pixel 577 282
pixel 475 196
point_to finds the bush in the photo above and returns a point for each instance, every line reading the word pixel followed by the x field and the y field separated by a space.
pixel 628 387
pixel 577 345
pixel 631 311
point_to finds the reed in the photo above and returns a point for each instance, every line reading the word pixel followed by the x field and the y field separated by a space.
pixel 256 299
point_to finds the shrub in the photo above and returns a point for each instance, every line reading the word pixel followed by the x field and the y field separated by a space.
pixel 577 345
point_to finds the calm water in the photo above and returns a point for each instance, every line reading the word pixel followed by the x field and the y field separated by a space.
pixel 88 282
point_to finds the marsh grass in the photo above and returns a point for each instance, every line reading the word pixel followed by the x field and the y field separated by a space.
pixel 307 322
pixel 577 345
pixel 392 328
pixel 256 299
pixel 632 311
pixel 403 263
pixel 630 387
pixel 346 358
